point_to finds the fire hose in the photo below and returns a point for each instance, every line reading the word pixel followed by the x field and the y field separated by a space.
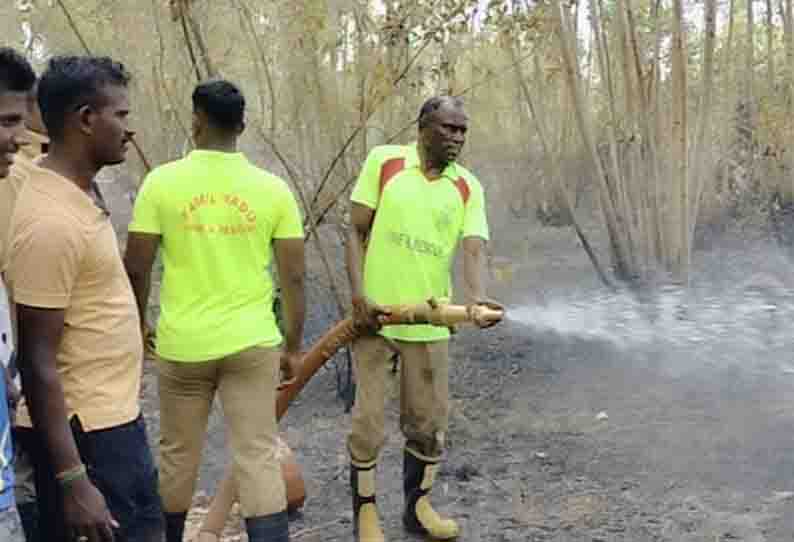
pixel 340 335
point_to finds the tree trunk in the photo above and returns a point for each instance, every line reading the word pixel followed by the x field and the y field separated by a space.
pixel 582 110
pixel 749 58
pixel 701 154
pixel 679 140
pixel 788 33
pixel 770 49
pixel 749 118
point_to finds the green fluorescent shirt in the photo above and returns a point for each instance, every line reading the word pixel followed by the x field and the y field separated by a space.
pixel 217 215
pixel 418 224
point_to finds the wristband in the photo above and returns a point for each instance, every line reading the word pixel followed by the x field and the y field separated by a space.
pixel 68 477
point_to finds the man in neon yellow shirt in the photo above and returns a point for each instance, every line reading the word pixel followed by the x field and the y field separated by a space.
pixel 411 207
pixel 220 221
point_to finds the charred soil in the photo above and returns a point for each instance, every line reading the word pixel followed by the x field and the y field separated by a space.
pixel 557 437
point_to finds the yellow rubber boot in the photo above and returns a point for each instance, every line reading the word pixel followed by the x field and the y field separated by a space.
pixel 366 522
pixel 420 517
pixel 433 524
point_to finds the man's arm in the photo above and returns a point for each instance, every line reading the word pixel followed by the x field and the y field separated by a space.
pixel 473 269
pixel 361 218
pixel 289 255
pixel 40 332
pixel 473 275
pixel 139 258
pixel 364 312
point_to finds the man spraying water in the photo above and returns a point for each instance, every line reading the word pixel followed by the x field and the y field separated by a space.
pixel 411 206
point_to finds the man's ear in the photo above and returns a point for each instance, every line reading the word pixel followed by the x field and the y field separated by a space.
pixel 196 125
pixel 86 116
pixel 241 128
pixel 421 132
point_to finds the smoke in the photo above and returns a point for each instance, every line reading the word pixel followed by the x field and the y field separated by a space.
pixel 748 325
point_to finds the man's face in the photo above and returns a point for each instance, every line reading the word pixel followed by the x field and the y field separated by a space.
pixel 13 110
pixel 110 132
pixel 445 133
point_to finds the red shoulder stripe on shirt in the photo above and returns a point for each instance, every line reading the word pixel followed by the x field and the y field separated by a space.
pixel 389 169
pixel 463 188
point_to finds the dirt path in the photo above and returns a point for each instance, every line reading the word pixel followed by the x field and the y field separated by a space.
pixel 677 459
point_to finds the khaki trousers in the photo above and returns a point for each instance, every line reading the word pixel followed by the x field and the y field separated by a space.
pixel 424 397
pixel 246 384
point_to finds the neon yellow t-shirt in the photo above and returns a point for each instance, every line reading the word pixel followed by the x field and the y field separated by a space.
pixel 217 215
pixel 418 224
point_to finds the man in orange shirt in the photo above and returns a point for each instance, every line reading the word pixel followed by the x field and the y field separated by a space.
pixel 81 349
pixel 24 165
pixel 16 80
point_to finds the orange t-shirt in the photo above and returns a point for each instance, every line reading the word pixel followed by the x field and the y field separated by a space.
pixel 63 254
pixel 24 165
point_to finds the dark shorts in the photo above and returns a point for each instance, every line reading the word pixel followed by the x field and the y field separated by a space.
pixel 120 465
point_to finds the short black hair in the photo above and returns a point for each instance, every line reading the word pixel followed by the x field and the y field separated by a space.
pixel 33 94
pixel 16 74
pixel 222 102
pixel 70 82
pixel 434 104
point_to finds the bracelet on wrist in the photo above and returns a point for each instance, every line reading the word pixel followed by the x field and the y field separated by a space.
pixel 68 477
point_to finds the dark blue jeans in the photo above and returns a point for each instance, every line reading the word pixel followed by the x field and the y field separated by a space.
pixel 120 465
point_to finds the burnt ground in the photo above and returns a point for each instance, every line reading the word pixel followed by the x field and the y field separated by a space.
pixel 691 448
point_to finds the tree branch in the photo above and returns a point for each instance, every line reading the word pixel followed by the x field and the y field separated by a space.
pixel 189 43
pixel 147 166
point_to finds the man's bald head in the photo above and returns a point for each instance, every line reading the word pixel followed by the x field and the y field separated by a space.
pixel 434 104
pixel 442 130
